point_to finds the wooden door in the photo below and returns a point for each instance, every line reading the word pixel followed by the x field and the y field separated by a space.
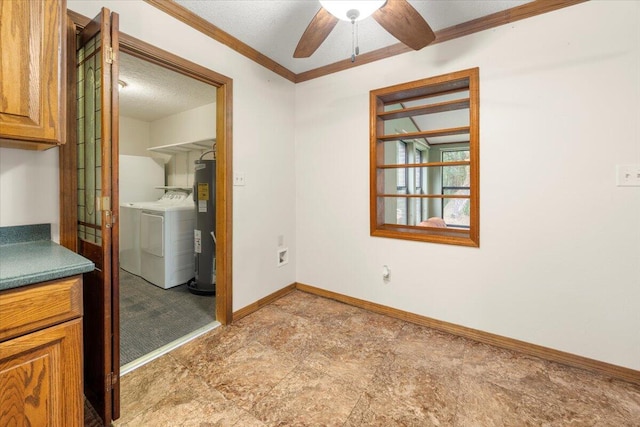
pixel 97 225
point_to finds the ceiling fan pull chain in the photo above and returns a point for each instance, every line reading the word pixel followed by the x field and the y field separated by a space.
pixel 353 40
pixel 357 41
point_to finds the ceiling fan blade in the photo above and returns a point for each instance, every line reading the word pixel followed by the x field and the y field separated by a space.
pixel 403 22
pixel 317 31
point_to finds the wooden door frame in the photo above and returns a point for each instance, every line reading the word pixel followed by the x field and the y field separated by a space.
pixel 224 189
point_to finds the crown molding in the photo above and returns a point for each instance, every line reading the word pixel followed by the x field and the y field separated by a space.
pixel 528 10
pixel 537 7
pixel 205 27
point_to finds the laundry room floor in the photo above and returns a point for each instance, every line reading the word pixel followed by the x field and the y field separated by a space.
pixel 151 317
pixel 304 360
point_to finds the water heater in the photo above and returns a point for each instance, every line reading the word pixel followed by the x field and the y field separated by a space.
pixel 204 195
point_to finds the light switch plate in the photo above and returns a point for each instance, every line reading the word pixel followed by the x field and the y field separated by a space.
pixel 238 179
pixel 628 175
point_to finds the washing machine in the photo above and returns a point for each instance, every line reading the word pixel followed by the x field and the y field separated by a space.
pixel 166 239
pixel 130 254
pixel 130 237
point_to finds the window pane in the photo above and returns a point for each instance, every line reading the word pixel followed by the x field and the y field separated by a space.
pixel 402 158
pixel 455 176
pixel 407 210
pixel 401 211
pixel 456 211
pixel 416 182
pixel 434 99
pixel 395 181
pixel 427 122
pixel 395 210
pixel 418 171
pixel 455 155
pixel 393 154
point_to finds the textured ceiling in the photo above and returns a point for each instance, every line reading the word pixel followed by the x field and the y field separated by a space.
pixel 273 27
pixel 154 92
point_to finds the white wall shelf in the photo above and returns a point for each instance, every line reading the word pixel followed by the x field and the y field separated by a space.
pixel 184 147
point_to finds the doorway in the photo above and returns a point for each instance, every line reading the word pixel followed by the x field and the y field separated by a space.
pixel 224 195
pixel 224 89
pixel 109 391
pixel 165 125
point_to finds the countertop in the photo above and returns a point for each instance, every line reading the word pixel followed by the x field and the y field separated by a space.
pixel 26 257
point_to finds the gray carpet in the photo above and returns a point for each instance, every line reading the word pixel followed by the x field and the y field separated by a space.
pixel 151 317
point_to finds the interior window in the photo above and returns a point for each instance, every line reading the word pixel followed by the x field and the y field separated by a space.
pixel 455 180
pixel 425 159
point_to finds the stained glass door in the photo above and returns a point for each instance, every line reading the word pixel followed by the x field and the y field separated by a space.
pixel 97 172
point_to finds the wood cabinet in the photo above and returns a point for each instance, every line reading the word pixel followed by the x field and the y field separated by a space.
pixel 41 354
pixel 32 73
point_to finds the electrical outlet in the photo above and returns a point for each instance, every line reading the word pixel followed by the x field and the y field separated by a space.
pixel 238 179
pixel 628 175
pixel 283 256
pixel 386 273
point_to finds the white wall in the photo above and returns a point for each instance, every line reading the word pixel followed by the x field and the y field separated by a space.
pixel 181 167
pixel 263 144
pixel 197 124
pixel 559 261
pixel 139 178
pixel 29 188
pixel 134 136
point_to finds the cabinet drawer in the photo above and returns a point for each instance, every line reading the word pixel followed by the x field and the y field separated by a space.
pixel 26 309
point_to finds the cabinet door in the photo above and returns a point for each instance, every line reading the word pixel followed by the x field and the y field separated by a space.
pixel 32 73
pixel 41 378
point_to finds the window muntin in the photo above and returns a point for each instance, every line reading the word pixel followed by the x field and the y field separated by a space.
pixel 456 181
pixel 424 160
pixel 409 180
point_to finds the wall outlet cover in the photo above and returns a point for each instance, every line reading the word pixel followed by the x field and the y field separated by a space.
pixel 238 179
pixel 283 256
pixel 628 175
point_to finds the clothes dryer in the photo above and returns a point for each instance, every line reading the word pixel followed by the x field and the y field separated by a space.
pixel 130 253
pixel 166 240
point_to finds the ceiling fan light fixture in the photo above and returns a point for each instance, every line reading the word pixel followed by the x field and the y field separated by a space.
pixel 343 9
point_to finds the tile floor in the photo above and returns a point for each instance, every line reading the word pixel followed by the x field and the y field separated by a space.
pixel 309 361
pixel 151 317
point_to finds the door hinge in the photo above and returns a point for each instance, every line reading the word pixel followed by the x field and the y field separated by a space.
pixel 103 203
pixel 108 221
pixel 110 57
pixel 111 380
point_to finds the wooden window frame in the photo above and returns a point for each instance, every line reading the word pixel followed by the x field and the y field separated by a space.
pixel 466 80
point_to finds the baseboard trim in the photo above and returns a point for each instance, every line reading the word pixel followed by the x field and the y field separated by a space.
pixel 245 311
pixel 614 371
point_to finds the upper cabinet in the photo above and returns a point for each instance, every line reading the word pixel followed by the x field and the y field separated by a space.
pixel 32 73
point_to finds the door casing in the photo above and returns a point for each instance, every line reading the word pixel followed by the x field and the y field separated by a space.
pixel 68 171
pixel 224 189
pixel 224 144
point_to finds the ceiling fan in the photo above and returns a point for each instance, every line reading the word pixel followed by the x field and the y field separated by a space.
pixel 398 17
